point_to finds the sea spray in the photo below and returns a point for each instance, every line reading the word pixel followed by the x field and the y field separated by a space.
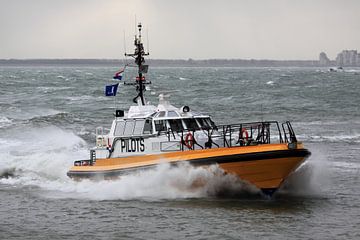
pixel 162 182
pixel 312 178
pixel 43 152
pixel 42 156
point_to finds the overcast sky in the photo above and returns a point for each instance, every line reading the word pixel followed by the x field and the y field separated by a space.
pixel 198 29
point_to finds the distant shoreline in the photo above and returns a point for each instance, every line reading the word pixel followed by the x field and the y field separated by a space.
pixel 167 62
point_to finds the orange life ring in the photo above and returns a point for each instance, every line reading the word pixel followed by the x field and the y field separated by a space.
pixel 84 163
pixel 189 140
pixel 244 131
pixel 138 78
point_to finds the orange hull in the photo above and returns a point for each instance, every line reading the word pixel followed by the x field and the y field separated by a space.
pixel 265 166
pixel 267 174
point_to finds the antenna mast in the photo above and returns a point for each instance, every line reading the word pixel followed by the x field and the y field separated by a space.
pixel 138 55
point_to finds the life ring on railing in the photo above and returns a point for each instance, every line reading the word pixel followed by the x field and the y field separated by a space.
pixel 189 140
pixel 85 163
pixel 242 133
pixel 138 78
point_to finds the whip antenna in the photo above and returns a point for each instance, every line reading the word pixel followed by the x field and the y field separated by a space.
pixel 147 40
pixel 124 43
pixel 125 60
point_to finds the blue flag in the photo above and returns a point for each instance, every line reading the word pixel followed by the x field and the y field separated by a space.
pixel 111 90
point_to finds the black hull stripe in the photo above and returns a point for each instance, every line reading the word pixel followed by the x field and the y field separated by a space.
pixel 259 156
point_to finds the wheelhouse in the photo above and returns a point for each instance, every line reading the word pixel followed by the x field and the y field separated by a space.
pixel 159 122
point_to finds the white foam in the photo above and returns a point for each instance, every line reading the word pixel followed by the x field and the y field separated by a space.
pixel 5 122
pixel 346 166
pixel 348 138
pixel 285 75
pixel 30 112
pixel 353 70
pixel 313 177
pixel 80 98
pixel 163 182
pixel 46 152
pixel 41 157
pixel 51 89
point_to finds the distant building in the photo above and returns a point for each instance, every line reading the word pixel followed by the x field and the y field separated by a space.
pixel 348 58
pixel 323 59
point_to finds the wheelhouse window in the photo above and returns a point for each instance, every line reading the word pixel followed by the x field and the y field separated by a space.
pixel 119 129
pixel 147 127
pixel 176 125
pixel 160 125
pixel 191 124
pixel 161 114
pixel 129 127
pixel 210 122
pixel 203 123
pixel 139 126
pixel 172 114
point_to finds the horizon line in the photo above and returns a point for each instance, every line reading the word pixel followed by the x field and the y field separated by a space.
pixel 166 59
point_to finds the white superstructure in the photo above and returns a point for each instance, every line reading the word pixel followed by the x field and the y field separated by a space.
pixel 153 129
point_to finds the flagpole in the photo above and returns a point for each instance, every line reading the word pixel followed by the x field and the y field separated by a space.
pixel 115 102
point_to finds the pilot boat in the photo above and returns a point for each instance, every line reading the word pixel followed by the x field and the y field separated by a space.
pixel 261 153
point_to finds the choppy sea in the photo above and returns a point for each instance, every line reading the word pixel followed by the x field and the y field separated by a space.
pixel 48 117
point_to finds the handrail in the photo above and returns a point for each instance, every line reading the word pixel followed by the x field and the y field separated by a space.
pixel 258 133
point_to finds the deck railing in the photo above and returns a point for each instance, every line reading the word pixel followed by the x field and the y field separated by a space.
pixel 231 135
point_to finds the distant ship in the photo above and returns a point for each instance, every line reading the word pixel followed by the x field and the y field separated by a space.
pixel 336 69
pixel 262 153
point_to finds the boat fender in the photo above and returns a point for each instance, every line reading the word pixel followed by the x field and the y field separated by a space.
pixel 189 140
pixel 109 144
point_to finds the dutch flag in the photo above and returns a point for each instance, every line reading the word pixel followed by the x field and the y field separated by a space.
pixel 118 75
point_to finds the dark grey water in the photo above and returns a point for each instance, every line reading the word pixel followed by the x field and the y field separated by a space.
pixel 48 118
